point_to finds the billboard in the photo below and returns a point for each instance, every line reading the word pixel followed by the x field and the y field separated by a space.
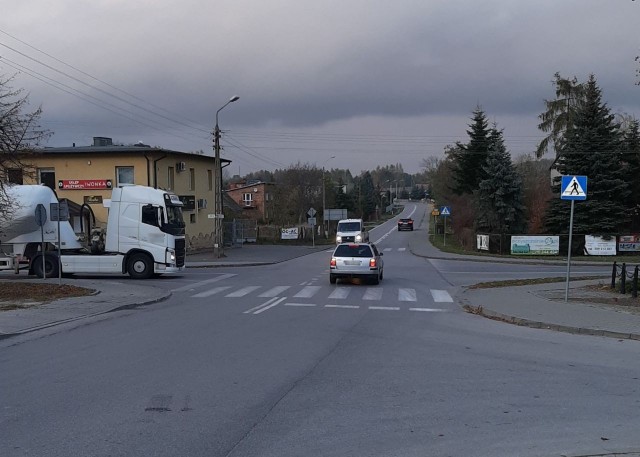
pixel 535 245
pixel 596 245
pixel 629 243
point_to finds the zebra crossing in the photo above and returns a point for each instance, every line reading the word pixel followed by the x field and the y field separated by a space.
pixel 309 295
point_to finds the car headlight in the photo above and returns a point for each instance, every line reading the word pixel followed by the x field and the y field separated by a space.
pixel 338 239
pixel 358 238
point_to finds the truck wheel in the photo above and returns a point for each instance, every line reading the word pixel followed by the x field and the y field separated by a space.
pixel 50 265
pixel 140 266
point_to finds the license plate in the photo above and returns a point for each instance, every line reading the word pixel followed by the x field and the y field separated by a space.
pixel 352 262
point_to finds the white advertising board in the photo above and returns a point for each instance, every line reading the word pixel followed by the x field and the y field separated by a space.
pixel 596 245
pixel 482 242
pixel 535 245
pixel 289 233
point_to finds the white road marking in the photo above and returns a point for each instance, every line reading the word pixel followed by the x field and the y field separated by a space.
pixel 440 296
pixel 429 310
pixel 211 292
pixel 342 306
pixel 387 249
pixel 340 293
pixel 202 283
pixel 402 249
pixel 300 304
pixel 270 306
pixel 385 308
pixel 407 295
pixel 307 292
pixel 274 291
pixel 266 305
pixel 373 293
pixel 242 292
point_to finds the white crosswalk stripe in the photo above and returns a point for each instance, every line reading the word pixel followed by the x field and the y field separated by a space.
pixel 407 295
pixel 308 292
pixel 387 249
pixel 340 293
pixel 274 291
pixel 242 292
pixel 373 293
pixel 210 292
pixel 195 285
pixel 441 296
pixel 402 249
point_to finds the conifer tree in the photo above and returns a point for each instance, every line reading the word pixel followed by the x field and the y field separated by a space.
pixel 499 195
pixel 631 163
pixel 592 148
pixel 468 159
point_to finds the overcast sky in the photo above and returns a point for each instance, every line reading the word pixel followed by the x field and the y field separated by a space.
pixel 370 82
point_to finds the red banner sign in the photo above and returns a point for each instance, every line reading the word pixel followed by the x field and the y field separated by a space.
pixel 82 184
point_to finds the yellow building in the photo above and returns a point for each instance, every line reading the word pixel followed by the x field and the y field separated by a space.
pixel 85 176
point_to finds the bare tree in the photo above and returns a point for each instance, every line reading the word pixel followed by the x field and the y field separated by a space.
pixel 20 134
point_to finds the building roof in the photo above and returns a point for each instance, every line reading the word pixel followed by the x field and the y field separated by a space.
pixel 131 149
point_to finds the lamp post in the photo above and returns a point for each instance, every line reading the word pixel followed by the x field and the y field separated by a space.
pixel 324 206
pixel 218 208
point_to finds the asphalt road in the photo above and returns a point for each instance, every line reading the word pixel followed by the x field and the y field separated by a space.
pixel 275 361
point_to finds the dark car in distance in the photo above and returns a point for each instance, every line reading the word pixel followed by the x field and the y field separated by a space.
pixel 405 223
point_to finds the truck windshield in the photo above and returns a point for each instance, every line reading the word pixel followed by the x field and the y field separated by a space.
pixel 175 222
pixel 349 227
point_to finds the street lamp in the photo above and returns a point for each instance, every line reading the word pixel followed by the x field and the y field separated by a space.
pixel 218 208
pixel 324 227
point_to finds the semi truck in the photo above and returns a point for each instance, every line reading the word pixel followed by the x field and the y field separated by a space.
pixel 144 235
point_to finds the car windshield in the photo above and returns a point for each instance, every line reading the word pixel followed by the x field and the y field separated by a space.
pixel 349 227
pixel 353 250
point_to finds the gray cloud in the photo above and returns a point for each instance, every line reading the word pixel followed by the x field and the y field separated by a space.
pixel 359 69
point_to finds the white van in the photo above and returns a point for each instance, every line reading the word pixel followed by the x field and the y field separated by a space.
pixel 351 230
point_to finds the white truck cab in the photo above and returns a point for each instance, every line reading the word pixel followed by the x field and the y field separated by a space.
pixel 351 230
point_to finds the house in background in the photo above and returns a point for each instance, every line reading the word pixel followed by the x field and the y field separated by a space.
pixel 85 175
pixel 255 198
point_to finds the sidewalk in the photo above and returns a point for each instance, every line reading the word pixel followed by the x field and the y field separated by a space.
pixel 587 311
pixel 540 306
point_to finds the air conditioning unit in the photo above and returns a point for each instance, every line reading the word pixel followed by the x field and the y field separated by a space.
pixel 181 166
pixel 202 203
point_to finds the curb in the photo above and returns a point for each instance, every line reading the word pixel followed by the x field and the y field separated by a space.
pixel 84 316
pixel 480 311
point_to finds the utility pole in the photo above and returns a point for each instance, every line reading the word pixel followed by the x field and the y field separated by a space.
pixel 218 236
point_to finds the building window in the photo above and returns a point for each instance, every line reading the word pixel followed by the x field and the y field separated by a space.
pixel 268 197
pixel 171 176
pixel 124 175
pixel 210 179
pixel 47 176
pixel 192 218
pixel 192 179
pixel 247 199
pixel 14 176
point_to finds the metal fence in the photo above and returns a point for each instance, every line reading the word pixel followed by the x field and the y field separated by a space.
pixel 240 231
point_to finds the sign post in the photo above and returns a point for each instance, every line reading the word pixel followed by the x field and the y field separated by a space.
pixel 312 222
pixel 41 219
pixel 445 211
pixel 59 212
pixel 572 188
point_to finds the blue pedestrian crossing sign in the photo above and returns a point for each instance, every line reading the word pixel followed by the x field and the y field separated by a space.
pixel 445 211
pixel 573 188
